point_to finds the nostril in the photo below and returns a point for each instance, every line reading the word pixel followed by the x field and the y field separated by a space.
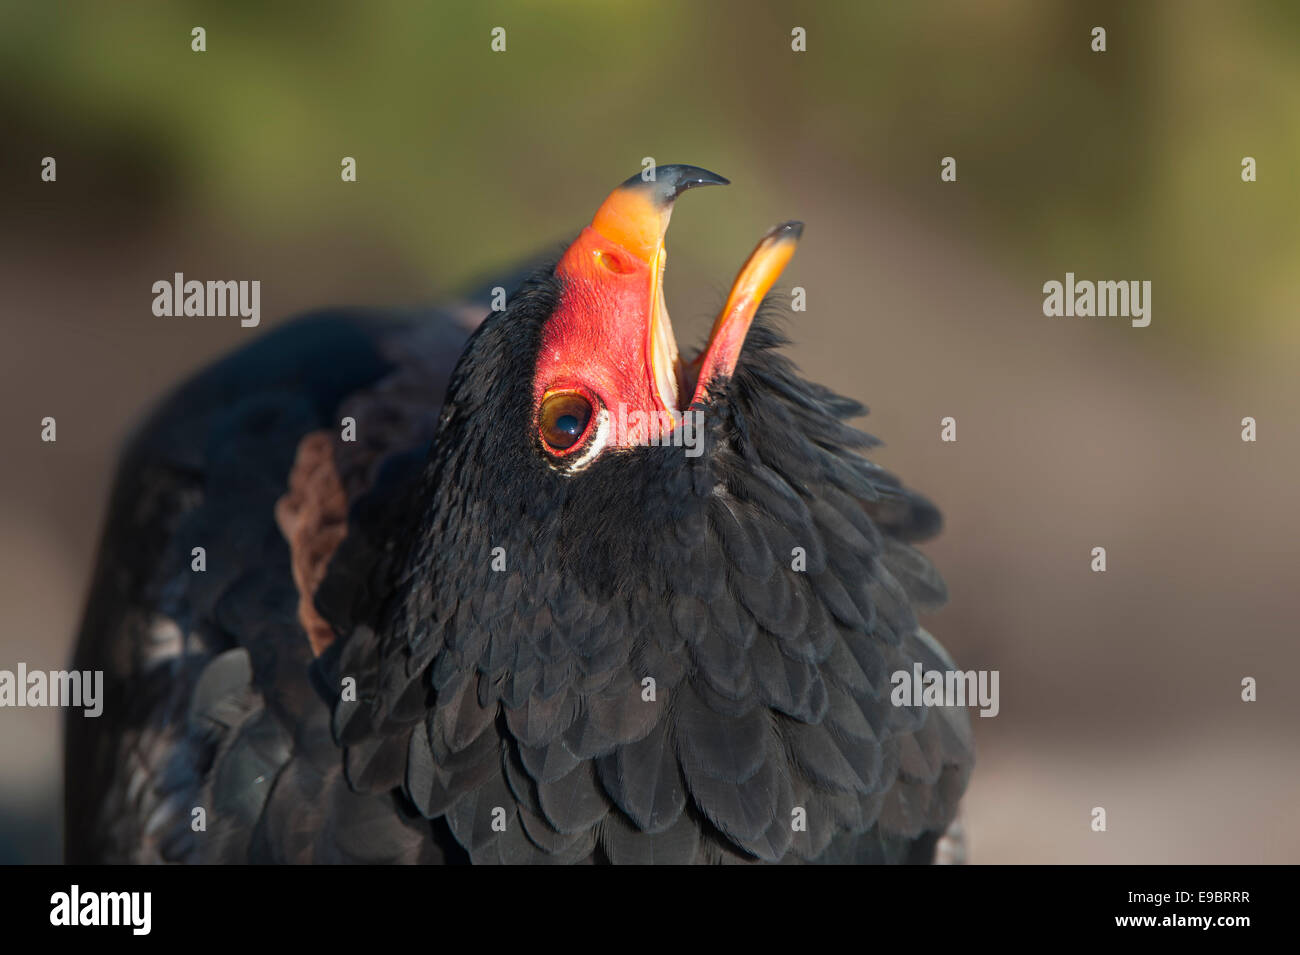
pixel 612 262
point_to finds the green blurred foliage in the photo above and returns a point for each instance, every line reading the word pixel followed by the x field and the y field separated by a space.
pixel 1124 164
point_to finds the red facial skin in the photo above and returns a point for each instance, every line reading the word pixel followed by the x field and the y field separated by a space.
pixel 609 336
pixel 597 339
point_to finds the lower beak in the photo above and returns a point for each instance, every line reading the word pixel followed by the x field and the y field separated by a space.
pixel 756 278
pixel 635 217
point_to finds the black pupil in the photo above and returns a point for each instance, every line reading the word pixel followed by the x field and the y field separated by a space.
pixel 564 419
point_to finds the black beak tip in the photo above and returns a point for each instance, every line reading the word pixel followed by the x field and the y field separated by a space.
pixel 787 230
pixel 672 180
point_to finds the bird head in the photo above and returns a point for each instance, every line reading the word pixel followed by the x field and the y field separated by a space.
pixel 576 436
pixel 609 376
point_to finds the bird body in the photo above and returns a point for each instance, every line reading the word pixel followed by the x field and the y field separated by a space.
pixel 451 610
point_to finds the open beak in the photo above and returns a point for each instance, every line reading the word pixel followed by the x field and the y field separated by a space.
pixel 624 245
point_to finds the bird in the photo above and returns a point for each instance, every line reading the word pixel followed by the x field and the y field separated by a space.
pixel 517 585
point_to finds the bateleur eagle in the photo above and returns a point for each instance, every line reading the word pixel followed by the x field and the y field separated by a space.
pixel 542 592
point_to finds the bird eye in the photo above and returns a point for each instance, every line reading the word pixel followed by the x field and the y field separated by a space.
pixel 563 419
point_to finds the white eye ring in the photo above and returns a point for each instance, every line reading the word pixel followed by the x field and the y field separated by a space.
pixel 599 438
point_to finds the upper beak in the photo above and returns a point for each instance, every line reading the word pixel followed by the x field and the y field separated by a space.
pixel 634 219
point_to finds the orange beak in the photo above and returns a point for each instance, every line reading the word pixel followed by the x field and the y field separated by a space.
pixel 757 276
pixel 617 264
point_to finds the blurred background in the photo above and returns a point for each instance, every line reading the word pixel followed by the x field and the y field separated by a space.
pixel 1119 690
